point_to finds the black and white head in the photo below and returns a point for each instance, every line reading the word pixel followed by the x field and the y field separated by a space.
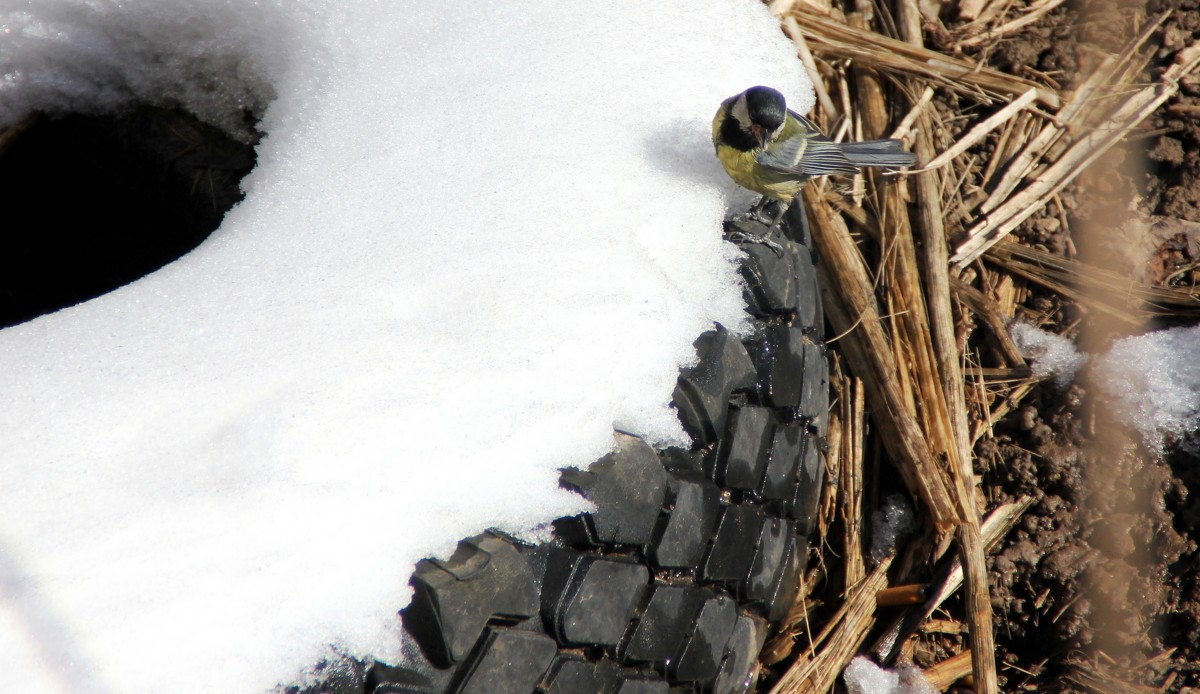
pixel 759 112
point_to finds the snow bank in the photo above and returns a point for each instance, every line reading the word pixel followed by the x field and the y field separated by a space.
pixel 477 237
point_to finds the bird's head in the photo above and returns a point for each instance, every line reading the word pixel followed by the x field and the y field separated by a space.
pixel 760 112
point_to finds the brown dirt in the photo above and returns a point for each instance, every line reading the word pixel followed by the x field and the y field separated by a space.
pixel 1101 580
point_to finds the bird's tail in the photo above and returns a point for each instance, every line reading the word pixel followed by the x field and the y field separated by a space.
pixel 878 153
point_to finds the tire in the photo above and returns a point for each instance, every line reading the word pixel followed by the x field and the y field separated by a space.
pixel 674 582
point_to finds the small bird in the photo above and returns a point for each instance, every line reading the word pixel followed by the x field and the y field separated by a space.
pixel 773 151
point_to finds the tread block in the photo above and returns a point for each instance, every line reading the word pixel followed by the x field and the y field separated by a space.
pixel 453 599
pixel 686 530
pixel 628 487
pixel 667 620
pixel 741 456
pixel 787 454
pixel 806 492
pixel 810 315
pixel 702 654
pixel 506 661
pixel 814 391
pixel 787 585
pixel 587 600
pixel 738 674
pixel 388 679
pixel 641 686
pixel 776 544
pixel 702 393
pixel 770 279
pixel 569 675
pixel 780 366
pixel 734 545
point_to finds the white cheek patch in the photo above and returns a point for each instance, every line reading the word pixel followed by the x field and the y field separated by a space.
pixel 740 111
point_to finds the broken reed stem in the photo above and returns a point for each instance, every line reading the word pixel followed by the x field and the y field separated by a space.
pixel 911 594
pixel 810 65
pixel 1099 288
pixel 839 641
pixel 851 308
pixel 867 48
pixel 1008 215
pixel 910 118
pixel 979 609
pixel 980 131
pixel 971 9
pixel 949 671
pixel 1035 12
pixel 853 445
pixel 946 366
pixel 993 529
pixel 989 313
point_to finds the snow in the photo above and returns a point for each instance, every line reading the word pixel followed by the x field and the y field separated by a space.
pixel 1151 383
pixel 1050 354
pixel 478 238
pixel 865 677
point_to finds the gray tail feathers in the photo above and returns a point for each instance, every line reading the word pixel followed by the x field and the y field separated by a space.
pixel 878 153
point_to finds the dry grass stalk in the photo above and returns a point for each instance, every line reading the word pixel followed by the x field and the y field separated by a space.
pixel 979 609
pixel 911 594
pixel 997 524
pixel 949 671
pixel 1104 681
pixel 828 37
pixel 1075 115
pixel 980 131
pixel 977 35
pixel 906 124
pixel 1104 290
pixel 1009 403
pixel 810 66
pixel 921 375
pixel 850 306
pixel 988 311
pixel 838 642
pixel 1008 215
pixel 946 367
pixel 853 445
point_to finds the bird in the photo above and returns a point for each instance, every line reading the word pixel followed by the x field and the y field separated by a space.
pixel 772 151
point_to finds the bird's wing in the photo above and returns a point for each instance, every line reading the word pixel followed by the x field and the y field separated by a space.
pixel 806 155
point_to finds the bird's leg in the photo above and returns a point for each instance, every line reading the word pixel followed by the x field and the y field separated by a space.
pixel 756 213
pixel 783 208
pixel 744 225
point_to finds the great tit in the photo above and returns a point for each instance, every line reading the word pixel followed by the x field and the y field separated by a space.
pixel 773 151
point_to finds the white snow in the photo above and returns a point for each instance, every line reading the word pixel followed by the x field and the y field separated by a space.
pixel 865 677
pixel 478 236
pixel 1049 354
pixel 1152 384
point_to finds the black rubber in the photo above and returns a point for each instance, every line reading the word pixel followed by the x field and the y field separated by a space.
pixel 673 583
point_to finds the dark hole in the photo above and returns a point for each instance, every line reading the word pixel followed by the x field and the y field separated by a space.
pixel 91 203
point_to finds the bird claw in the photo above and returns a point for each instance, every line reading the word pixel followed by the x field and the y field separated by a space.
pixel 758 216
pixel 763 237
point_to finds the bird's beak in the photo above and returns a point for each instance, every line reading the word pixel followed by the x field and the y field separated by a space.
pixel 759 134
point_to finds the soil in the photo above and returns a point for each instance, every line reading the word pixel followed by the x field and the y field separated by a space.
pixel 1098 588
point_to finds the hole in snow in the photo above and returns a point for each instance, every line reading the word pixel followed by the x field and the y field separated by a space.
pixel 95 202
